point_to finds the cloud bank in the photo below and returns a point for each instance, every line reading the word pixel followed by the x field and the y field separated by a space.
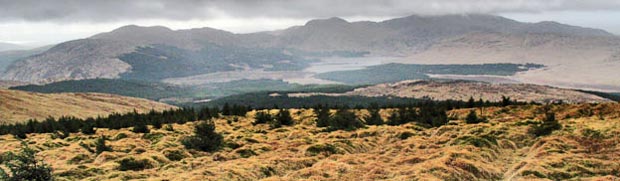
pixel 95 11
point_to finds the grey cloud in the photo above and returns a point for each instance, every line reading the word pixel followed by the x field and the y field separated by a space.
pixel 112 10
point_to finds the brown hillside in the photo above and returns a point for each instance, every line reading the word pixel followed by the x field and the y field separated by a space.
pixel 499 150
pixel 463 90
pixel 18 106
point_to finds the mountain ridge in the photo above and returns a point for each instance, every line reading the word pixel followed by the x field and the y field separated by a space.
pixel 98 56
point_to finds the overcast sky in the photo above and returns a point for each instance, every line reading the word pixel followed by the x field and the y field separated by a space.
pixel 39 22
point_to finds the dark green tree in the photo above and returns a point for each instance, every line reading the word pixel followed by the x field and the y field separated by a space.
pixel 100 145
pixel 226 110
pixel 471 102
pixel 25 166
pixel 141 127
pixel 374 118
pixel 394 119
pixel 506 101
pixel 472 118
pixel 205 138
pixel 322 115
pixel 547 126
pixel 284 117
pixel 262 117
pixel 344 119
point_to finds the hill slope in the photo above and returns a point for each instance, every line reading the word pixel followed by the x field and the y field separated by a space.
pixel 463 90
pixel 499 150
pixel 17 106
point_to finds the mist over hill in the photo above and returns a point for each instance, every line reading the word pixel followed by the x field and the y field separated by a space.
pixel 577 55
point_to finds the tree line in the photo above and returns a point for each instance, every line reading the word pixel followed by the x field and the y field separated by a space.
pixel 428 113
pixel 65 125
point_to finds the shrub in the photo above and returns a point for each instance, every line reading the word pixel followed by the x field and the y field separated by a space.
pixel 374 118
pixel 157 123
pixel 245 153
pixel 472 118
pixel 169 127
pixel 174 155
pixel 133 164
pixel 80 158
pixel 322 116
pixel 344 120
pixel 205 138
pixel 546 127
pixel 262 117
pixel 284 117
pixel 405 135
pixel 317 149
pixel 141 128
pixel 25 166
pixel 100 145
pixel 120 136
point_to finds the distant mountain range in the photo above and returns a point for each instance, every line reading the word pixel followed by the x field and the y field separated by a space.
pixel 575 56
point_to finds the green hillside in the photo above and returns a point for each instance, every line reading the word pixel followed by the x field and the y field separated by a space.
pixel 397 72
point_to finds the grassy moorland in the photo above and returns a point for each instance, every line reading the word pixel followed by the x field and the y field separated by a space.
pixel 502 147
pixel 18 106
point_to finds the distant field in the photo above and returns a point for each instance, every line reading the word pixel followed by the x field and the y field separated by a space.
pixel 397 72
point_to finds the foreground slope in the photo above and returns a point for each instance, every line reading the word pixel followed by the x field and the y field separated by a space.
pixel 464 90
pixel 499 150
pixel 19 106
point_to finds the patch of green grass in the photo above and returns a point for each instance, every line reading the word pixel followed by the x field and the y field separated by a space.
pixel 134 164
pixel 317 149
pixel 534 173
pixel 153 137
pixel 245 153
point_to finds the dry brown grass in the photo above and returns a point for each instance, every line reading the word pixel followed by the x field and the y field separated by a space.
pixel 17 106
pixel 499 150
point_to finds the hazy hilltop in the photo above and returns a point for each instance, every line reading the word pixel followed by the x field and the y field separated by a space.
pixel 19 106
pixel 158 52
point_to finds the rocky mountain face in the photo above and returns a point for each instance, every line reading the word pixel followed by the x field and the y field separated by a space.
pixel 99 55
pixel 464 90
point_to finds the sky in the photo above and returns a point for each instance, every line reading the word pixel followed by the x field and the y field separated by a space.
pixel 42 22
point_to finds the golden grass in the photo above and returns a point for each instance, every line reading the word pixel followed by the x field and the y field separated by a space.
pixel 499 150
pixel 17 106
